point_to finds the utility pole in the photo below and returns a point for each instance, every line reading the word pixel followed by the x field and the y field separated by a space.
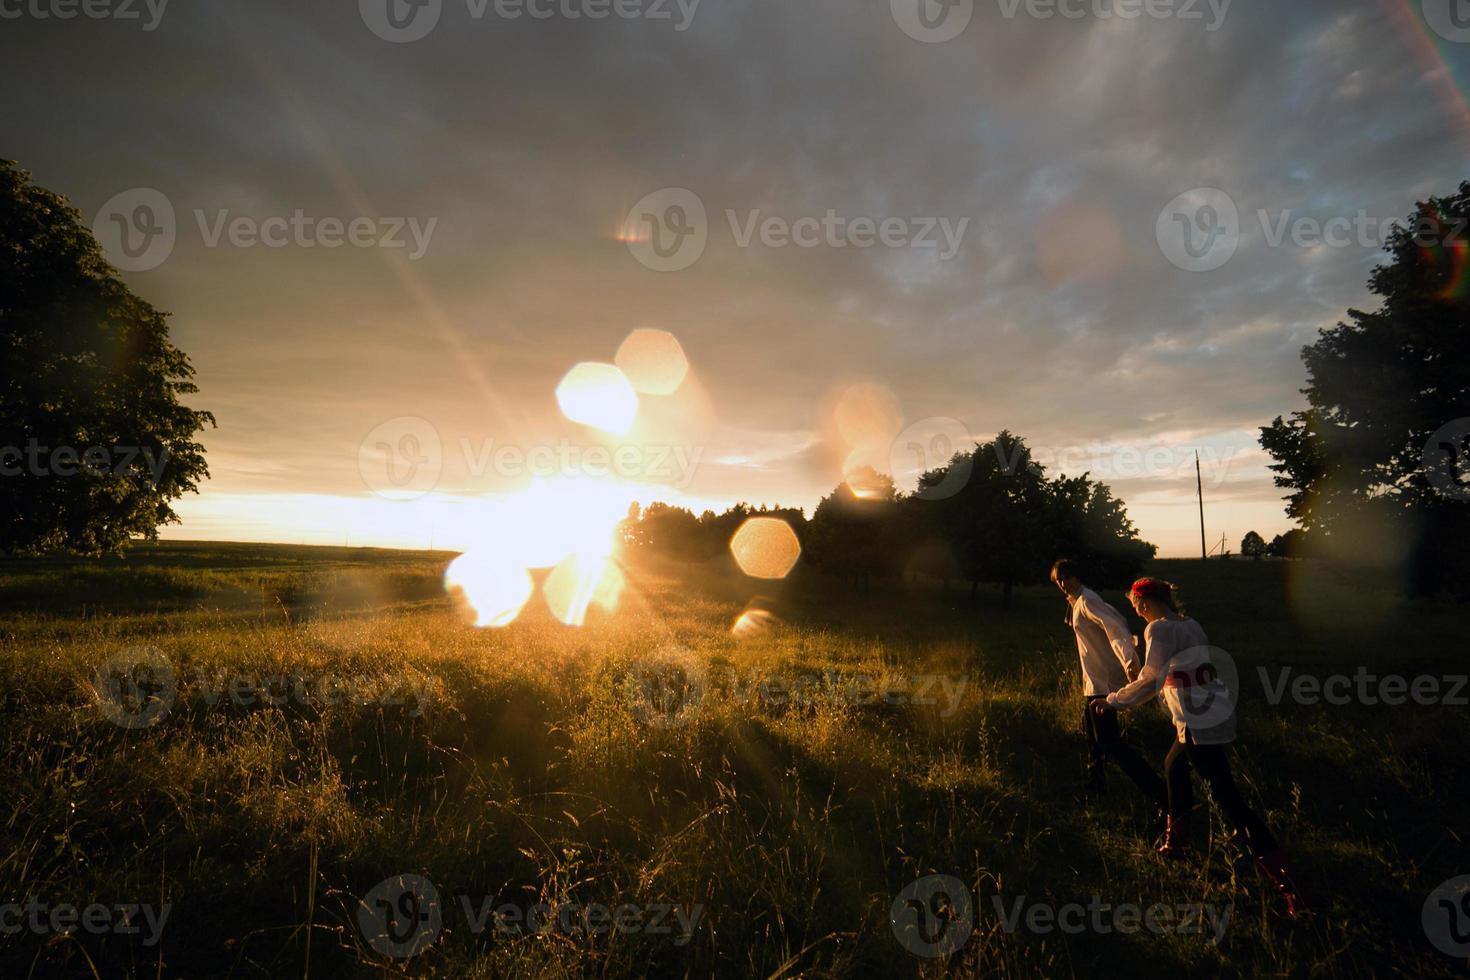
pixel 1199 485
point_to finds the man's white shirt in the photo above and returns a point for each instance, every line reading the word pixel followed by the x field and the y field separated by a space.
pixel 1104 645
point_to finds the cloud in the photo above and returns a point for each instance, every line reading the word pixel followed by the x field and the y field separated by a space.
pixel 1058 142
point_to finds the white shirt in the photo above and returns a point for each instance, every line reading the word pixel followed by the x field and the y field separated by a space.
pixel 1178 664
pixel 1104 644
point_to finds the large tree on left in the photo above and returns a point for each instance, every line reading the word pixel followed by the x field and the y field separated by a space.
pixel 94 443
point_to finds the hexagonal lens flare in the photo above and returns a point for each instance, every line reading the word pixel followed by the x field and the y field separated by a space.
pixel 598 395
pixel 765 547
pixel 653 360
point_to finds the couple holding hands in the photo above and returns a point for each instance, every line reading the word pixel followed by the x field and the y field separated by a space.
pixel 1176 667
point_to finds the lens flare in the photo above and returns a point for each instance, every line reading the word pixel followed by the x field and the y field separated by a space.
pixel 490 589
pixel 765 547
pixel 566 524
pixel 579 582
pixel 599 395
pixel 754 622
pixel 653 361
pixel 868 416
pixel 862 472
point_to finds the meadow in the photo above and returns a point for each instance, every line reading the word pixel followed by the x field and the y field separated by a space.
pixel 679 797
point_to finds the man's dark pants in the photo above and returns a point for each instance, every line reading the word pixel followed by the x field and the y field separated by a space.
pixel 1103 740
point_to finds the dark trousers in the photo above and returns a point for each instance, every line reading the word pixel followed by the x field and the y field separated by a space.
pixel 1213 764
pixel 1103 740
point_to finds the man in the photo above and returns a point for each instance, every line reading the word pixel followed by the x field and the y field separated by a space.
pixel 1109 661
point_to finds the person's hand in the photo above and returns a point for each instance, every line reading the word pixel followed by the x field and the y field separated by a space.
pixel 1100 707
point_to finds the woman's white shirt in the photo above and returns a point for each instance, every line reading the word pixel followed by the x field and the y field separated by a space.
pixel 1177 664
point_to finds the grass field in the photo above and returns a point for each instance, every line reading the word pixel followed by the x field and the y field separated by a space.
pixel 737 804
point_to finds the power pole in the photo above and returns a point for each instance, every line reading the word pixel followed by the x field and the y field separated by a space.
pixel 1199 485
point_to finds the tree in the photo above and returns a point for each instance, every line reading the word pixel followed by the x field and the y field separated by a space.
pixel 1377 445
pixel 1008 522
pixel 1291 544
pixel 855 535
pixel 673 532
pixel 1253 545
pixel 1007 532
pixel 96 443
pixel 1089 525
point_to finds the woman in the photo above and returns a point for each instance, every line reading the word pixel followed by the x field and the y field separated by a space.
pixel 1177 662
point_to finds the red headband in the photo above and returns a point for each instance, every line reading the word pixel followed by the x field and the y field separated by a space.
pixel 1151 588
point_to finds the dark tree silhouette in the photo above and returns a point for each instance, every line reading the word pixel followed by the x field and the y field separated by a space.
pixel 1253 545
pixel 670 531
pixel 1002 522
pixel 1291 544
pixel 675 533
pixel 95 442
pixel 1089 525
pixel 1008 522
pixel 1380 442
pixel 854 536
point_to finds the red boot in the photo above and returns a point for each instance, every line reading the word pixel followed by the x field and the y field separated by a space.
pixel 1176 839
pixel 1278 868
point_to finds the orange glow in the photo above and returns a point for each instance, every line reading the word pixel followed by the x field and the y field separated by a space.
pixel 765 547
pixel 489 590
pixel 578 582
pixel 862 472
pixel 754 622
pixel 598 395
pixel 567 525
pixel 868 417
pixel 653 361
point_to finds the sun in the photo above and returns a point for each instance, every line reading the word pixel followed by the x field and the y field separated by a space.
pixel 566 524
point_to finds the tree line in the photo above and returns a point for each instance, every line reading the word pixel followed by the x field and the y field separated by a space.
pixel 1377 465
pixel 991 515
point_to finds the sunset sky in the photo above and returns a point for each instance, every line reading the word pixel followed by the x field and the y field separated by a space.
pixel 1035 158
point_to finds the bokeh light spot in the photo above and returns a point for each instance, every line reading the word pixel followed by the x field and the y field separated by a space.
pixel 599 395
pixel 862 472
pixel 765 547
pixel 653 361
pixel 753 623
pixel 579 582
pixel 868 417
